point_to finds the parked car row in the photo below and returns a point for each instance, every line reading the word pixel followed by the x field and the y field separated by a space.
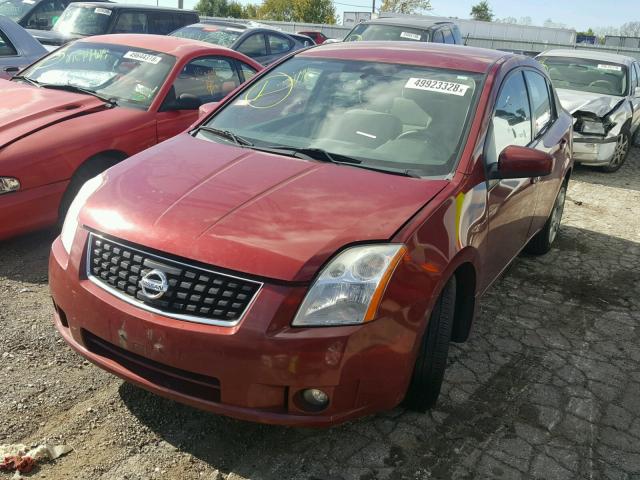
pixel 296 244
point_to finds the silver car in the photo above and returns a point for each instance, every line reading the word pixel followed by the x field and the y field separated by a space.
pixel 18 49
pixel 602 92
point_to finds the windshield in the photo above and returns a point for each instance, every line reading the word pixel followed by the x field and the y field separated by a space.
pixel 218 35
pixel 79 20
pixel 384 115
pixel 129 75
pixel 595 76
pixel 373 32
pixel 15 9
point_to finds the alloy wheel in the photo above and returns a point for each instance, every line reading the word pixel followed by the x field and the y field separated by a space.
pixel 620 153
pixel 556 216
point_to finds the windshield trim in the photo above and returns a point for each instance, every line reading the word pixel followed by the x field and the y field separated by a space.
pixel 464 136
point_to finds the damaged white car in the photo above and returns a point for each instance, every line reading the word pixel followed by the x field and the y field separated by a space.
pixel 602 92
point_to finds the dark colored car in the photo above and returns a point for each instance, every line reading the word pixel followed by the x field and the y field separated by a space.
pixel 412 29
pixel 17 48
pixel 34 14
pixel 318 37
pixel 93 103
pixel 84 19
pixel 306 253
pixel 264 45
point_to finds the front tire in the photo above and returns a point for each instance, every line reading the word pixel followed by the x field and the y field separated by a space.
pixel 620 154
pixel 542 241
pixel 431 363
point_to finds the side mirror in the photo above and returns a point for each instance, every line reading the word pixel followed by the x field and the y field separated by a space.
pixel 206 108
pixel 521 162
pixel 186 101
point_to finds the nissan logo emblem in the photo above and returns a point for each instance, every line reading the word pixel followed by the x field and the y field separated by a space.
pixel 154 284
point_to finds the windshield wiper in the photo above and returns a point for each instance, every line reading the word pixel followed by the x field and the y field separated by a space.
pixel 322 155
pixel 26 79
pixel 76 89
pixel 227 135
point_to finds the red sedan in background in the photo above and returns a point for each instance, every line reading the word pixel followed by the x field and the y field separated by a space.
pixel 307 252
pixel 316 36
pixel 93 103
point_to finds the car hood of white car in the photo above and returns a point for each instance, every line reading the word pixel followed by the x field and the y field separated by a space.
pixel 596 103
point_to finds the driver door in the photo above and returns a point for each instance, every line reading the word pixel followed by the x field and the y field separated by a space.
pixel 202 80
pixel 511 203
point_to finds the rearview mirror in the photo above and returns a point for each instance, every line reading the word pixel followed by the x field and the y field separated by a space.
pixel 206 108
pixel 521 162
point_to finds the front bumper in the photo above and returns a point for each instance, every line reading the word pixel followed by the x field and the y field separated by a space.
pixel 595 151
pixel 253 371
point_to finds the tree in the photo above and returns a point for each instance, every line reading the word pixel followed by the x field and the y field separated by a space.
pixel 212 8
pixel 310 11
pixel 235 10
pixel 630 29
pixel 251 11
pixel 482 11
pixel 405 6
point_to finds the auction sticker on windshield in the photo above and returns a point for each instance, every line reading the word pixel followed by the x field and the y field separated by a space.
pixel 614 68
pixel 143 57
pixel 450 88
pixel 103 11
pixel 410 36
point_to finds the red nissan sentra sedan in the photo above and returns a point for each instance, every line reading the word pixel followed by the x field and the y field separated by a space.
pixel 93 103
pixel 306 254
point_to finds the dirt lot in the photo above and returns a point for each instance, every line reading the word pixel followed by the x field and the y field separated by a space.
pixel 547 387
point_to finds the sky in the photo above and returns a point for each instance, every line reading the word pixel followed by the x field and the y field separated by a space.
pixel 578 14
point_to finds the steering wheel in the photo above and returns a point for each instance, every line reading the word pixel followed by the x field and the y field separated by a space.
pixel 422 134
pixel 601 84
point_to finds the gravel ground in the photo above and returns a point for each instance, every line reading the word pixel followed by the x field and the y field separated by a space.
pixel 547 387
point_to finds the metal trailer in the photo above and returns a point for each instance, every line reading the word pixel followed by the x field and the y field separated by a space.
pixel 620 41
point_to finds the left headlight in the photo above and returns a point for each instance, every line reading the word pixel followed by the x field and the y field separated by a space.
pixel 349 289
pixel 592 127
pixel 9 184
pixel 71 220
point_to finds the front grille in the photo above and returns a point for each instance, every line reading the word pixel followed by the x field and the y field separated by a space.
pixel 192 293
pixel 188 383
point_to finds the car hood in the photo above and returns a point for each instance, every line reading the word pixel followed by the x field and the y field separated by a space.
pixel 25 109
pixel 596 103
pixel 247 211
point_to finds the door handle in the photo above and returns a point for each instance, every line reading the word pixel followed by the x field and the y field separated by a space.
pixel 11 69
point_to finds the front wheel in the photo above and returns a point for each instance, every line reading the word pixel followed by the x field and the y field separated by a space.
pixel 542 241
pixel 620 154
pixel 431 363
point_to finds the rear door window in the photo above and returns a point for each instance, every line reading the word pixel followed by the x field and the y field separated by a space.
pixel 131 22
pixel 247 71
pixel 162 23
pixel 45 14
pixel 437 36
pixel 254 46
pixel 6 49
pixel 278 44
pixel 209 79
pixel 448 36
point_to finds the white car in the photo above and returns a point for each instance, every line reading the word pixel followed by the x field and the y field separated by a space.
pixel 602 92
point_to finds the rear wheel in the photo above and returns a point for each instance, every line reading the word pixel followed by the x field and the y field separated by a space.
pixel 431 363
pixel 542 241
pixel 623 145
pixel 86 171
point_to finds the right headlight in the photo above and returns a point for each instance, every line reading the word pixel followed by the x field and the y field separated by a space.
pixel 349 289
pixel 71 220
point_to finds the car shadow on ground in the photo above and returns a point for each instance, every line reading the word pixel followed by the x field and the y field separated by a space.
pixel 548 337
pixel 627 177
pixel 26 258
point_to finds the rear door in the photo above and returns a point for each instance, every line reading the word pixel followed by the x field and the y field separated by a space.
pixel 9 59
pixel 278 46
pixel 635 99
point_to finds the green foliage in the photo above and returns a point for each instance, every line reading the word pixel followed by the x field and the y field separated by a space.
pixel 482 11
pixel 405 6
pixel 310 11
pixel 224 8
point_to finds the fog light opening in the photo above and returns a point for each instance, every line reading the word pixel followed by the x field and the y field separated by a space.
pixel 313 400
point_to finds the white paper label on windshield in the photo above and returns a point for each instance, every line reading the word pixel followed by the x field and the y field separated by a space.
pixel 143 57
pixel 613 68
pixel 103 11
pixel 29 2
pixel 410 36
pixel 450 88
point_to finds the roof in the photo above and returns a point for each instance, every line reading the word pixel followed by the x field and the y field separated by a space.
pixel 416 22
pixel 160 43
pixel 589 55
pixel 129 6
pixel 455 57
